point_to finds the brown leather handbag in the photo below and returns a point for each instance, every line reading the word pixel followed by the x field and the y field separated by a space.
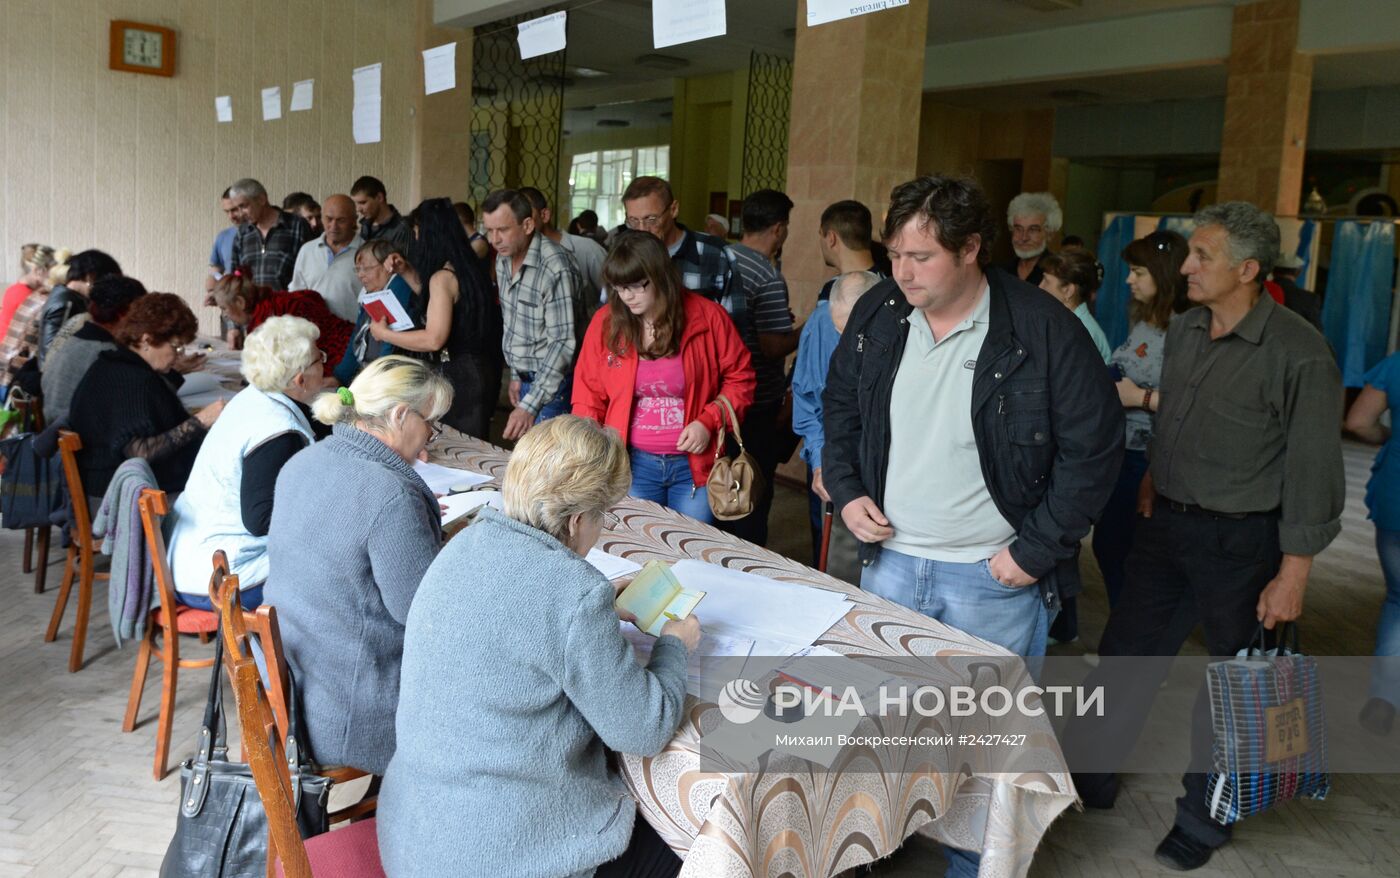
pixel 735 483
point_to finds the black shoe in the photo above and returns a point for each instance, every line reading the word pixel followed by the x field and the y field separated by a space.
pixel 1096 791
pixel 1181 852
pixel 1378 716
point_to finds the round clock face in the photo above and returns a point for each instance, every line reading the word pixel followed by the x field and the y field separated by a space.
pixel 142 48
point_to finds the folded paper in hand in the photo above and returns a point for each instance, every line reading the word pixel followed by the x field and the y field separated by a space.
pixel 384 305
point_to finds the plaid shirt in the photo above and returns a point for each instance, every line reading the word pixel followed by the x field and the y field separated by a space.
pixel 22 338
pixel 272 259
pixel 707 267
pixel 543 311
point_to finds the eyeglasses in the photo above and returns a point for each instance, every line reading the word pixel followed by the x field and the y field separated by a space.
pixel 320 359
pixel 610 521
pixel 434 428
pixel 1027 230
pixel 639 287
pixel 364 267
pixel 644 222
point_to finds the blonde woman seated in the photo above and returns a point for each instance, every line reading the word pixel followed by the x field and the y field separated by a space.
pixel 353 529
pixel 227 502
pixel 516 681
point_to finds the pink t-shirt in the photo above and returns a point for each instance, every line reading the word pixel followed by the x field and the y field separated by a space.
pixel 658 411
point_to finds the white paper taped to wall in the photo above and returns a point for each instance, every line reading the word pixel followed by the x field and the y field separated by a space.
pixel 366 112
pixel 685 21
pixel 440 68
pixel 223 108
pixel 272 103
pixel 540 36
pixel 302 92
pixel 824 11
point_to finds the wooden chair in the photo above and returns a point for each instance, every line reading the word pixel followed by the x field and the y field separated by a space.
pixel 79 563
pixel 31 409
pixel 163 629
pixel 352 852
pixel 262 622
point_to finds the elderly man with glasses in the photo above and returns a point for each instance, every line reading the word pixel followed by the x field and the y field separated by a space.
pixel 1032 217
pixel 706 263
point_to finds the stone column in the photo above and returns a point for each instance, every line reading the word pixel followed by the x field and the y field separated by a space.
pixel 1266 108
pixel 443 121
pixel 857 87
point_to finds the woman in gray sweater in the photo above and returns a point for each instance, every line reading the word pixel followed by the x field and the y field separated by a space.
pixel 516 681
pixel 353 529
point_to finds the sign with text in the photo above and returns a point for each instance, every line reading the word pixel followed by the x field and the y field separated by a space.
pixel 825 11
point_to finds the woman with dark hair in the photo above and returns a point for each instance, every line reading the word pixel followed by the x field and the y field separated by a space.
pixel 124 408
pixel 248 305
pixel 108 301
pixel 69 298
pixel 1073 276
pixel 461 318
pixel 1159 293
pixel 652 365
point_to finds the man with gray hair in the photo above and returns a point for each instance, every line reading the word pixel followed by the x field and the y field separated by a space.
pixel 268 239
pixel 1033 217
pixel 1245 485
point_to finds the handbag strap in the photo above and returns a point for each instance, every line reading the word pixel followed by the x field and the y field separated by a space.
pixel 1285 637
pixel 212 737
pixel 727 414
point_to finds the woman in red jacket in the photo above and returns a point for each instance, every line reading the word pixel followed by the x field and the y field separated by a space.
pixel 662 401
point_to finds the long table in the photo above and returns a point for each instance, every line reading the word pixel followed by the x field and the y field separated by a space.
pixel 792 818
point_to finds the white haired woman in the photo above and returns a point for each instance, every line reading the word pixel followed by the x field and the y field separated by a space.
pixel 505 738
pixel 227 501
pixel 353 530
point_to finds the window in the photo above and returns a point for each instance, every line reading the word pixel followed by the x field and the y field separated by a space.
pixel 598 179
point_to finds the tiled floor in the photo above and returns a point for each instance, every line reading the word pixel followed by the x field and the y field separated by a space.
pixel 77 798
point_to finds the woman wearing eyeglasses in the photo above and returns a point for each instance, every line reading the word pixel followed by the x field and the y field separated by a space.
pixel 379 265
pixel 353 529
pixel 125 407
pixel 248 305
pixel 227 502
pixel 652 365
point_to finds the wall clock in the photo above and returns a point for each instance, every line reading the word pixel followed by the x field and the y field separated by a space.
pixel 142 48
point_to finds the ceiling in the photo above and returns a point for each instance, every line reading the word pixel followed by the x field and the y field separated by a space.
pixel 953 21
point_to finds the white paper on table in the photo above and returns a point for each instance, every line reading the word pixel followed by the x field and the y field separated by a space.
pixel 445 479
pixel 824 11
pixel 302 95
pixel 611 566
pixel 741 604
pixel 223 108
pixel 440 68
pixel 366 110
pixel 540 36
pixel 458 506
pixel 272 103
pixel 197 383
pixel 383 304
pixel 685 21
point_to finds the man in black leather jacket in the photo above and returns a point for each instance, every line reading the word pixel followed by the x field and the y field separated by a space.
pixel 972 432
pixel 69 299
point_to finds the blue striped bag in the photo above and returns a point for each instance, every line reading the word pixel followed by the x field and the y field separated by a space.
pixel 1270 742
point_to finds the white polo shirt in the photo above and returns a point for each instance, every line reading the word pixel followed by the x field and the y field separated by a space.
pixel 935 497
pixel 330 274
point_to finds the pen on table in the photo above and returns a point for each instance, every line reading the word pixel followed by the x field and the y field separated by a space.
pixel 672 616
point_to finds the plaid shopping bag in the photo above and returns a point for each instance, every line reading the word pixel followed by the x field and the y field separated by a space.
pixel 1270 743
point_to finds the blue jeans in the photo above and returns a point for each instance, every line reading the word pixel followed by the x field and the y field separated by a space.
pixel 1385 676
pixel 250 598
pixel 666 479
pixel 559 404
pixel 966 597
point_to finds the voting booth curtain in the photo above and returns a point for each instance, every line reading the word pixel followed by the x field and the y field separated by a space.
pixel 1356 310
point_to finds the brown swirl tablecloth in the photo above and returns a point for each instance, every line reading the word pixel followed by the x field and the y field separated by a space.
pixel 793 818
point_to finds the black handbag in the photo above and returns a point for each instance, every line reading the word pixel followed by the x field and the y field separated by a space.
pixel 222 828
pixel 32 487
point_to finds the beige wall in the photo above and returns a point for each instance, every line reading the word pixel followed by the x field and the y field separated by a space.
pixel 134 164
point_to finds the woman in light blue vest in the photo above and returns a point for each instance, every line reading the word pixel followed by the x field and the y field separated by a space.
pixel 227 502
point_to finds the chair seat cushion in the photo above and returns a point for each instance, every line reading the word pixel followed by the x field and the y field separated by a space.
pixel 188 620
pixel 351 852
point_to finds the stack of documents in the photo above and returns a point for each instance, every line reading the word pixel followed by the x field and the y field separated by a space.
pixel 780 617
pixel 448 480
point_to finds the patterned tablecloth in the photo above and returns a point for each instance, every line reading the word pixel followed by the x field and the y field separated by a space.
pixel 793 818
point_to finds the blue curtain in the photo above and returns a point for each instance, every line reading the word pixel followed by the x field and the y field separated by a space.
pixel 1304 251
pixel 1356 312
pixel 1111 308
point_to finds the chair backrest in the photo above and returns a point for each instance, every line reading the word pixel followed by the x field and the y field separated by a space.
pixel 267 758
pixel 260 623
pixel 154 506
pixel 68 447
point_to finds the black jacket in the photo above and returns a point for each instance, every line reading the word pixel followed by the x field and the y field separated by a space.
pixel 62 304
pixel 1046 418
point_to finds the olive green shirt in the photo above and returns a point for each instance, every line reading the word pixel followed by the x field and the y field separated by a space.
pixel 1251 422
